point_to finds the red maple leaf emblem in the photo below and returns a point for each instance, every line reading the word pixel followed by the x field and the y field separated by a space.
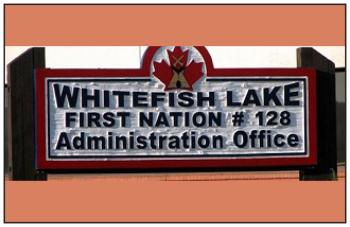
pixel 179 74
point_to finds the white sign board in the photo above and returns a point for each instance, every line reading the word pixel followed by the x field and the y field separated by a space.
pixel 106 118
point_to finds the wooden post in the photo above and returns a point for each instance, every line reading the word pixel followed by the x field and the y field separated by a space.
pixel 326 168
pixel 22 117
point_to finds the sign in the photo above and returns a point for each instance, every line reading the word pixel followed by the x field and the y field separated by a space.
pixel 177 111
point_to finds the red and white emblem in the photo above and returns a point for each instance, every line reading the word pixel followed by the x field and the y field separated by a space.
pixel 178 67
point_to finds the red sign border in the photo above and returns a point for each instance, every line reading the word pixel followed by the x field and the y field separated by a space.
pixel 44 164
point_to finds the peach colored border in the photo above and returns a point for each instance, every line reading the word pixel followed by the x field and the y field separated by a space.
pixel 258 25
pixel 148 199
pixel 79 198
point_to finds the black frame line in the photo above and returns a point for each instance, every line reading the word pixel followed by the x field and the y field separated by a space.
pixel 165 157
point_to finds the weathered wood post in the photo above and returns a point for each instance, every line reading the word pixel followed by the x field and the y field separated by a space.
pixel 22 115
pixel 326 168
